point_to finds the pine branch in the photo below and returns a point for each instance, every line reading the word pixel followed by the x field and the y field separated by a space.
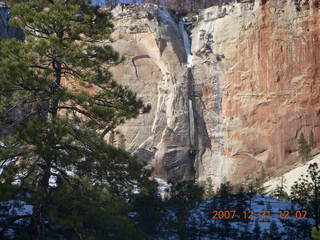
pixel 105 131
pixel 73 108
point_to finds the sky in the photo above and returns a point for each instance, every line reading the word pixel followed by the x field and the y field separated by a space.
pixel 102 2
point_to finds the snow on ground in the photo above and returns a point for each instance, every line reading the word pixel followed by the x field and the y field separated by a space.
pixel 14 208
pixel 258 204
pixel 201 217
pixel 5 163
pixel 163 186
pixel 290 177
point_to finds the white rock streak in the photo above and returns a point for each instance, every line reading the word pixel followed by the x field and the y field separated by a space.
pixel 163 187
pixel 191 121
pixel 186 42
pixel 187 47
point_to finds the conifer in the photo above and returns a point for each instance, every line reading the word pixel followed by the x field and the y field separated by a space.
pixel 304 148
pixel 58 95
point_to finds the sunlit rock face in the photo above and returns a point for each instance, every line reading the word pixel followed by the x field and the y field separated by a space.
pixel 155 68
pixel 252 88
pixel 257 76
pixel 237 105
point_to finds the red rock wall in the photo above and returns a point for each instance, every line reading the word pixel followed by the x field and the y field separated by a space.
pixel 270 78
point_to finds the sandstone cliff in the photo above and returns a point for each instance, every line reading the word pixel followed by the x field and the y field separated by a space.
pixel 257 74
pixel 252 89
pixel 233 107
pixel 155 68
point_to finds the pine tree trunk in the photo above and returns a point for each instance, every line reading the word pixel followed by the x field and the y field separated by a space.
pixel 38 215
pixel 53 110
pixel 316 206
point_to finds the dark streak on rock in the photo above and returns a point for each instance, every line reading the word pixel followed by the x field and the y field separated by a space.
pixel 137 58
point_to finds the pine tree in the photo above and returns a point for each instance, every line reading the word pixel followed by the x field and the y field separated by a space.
pixel 258 184
pixel 62 128
pixel 256 231
pixel 306 191
pixel 304 148
pixel 274 231
pixel 149 209
pixel 111 138
pixel 225 195
pixel 315 234
pixel 225 203
pixel 184 197
pixel 279 192
pixel 265 235
pixel 122 141
pixel 242 203
pixel 311 139
pixel 208 189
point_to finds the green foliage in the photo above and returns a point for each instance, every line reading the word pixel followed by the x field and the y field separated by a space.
pixel 315 234
pixel 184 197
pixel 279 192
pixel 241 198
pixel 274 232
pixel 311 139
pixel 58 96
pixel 256 231
pixel 208 189
pixel 122 141
pixel 120 36
pixel 225 195
pixel 83 211
pixel 149 209
pixel 258 184
pixel 112 138
pixel 306 191
pixel 304 148
pixel 186 192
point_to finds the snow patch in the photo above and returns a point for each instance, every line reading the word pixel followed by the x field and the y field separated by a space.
pixel 200 217
pixel 290 177
pixel 163 187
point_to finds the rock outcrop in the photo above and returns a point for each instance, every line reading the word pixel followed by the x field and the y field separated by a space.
pixel 233 104
pixel 253 88
pixel 257 75
pixel 155 68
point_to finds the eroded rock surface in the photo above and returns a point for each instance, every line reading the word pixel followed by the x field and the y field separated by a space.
pixel 253 88
pixel 155 68
pixel 257 75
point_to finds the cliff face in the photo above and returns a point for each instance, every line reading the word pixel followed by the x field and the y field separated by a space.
pixel 257 74
pixel 237 104
pixel 155 68
pixel 252 88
